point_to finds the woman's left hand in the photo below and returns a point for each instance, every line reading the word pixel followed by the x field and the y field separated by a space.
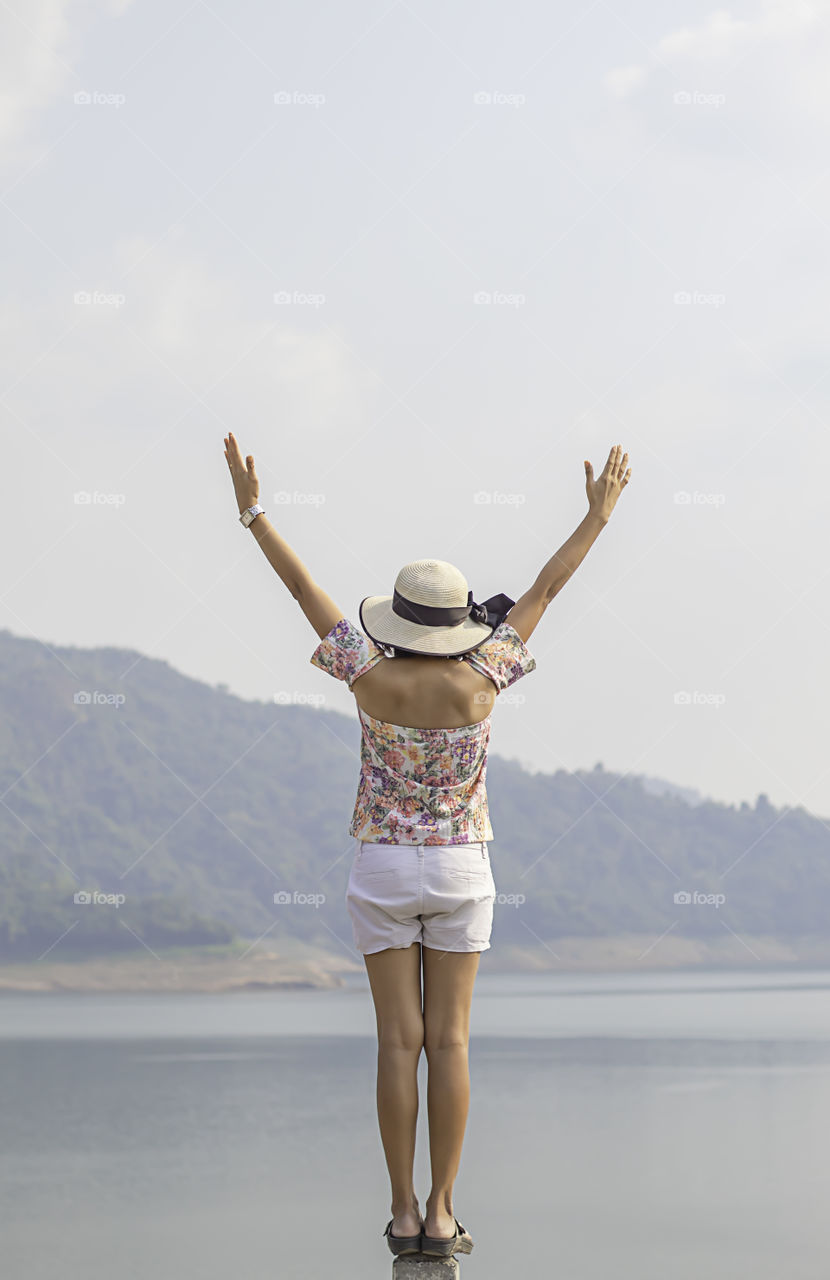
pixel 245 481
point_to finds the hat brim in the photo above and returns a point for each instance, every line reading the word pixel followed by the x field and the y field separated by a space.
pixel 384 626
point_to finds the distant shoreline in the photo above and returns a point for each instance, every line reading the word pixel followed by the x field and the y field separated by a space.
pixel 623 953
pixel 198 970
pixel 297 966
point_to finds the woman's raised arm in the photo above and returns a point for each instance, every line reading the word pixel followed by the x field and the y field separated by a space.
pixel 602 496
pixel 319 608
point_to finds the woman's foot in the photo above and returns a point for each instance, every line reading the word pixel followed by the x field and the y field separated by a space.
pixel 407 1221
pixel 459 1242
pixel 439 1222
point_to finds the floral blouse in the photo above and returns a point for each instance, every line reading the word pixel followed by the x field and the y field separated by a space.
pixel 422 786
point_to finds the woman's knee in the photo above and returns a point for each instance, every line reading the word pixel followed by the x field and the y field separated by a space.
pixel 442 1038
pixel 395 1036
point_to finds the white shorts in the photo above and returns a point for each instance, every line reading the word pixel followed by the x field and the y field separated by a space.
pixel 441 895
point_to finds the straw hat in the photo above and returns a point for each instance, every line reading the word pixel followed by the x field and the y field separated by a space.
pixel 432 612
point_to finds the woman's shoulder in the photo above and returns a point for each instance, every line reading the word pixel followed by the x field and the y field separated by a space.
pixel 504 657
pixel 346 652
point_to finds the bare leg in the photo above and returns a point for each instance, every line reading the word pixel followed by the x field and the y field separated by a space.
pixel 448 990
pixel 395 979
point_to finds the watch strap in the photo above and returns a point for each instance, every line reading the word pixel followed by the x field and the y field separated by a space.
pixel 250 514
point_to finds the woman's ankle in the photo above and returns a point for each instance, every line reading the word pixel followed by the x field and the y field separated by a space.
pixel 439 1202
pixel 407 1205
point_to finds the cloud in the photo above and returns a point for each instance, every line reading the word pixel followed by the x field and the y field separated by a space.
pixel 185 342
pixel 622 80
pixel 41 41
pixel 720 35
pixel 33 68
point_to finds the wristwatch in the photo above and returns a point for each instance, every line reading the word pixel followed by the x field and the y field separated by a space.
pixel 249 515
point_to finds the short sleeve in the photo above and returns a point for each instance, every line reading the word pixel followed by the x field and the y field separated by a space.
pixel 345 652
pixel 505 657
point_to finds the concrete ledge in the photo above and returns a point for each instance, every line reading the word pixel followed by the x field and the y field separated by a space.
pixel 419 1267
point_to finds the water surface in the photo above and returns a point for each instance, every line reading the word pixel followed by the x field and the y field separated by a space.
pixel 657 1127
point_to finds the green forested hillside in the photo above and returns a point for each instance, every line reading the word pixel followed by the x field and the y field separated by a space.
pixel 197 807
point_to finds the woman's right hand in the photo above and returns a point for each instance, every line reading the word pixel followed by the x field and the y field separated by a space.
pixel 243 474
pixel 604 491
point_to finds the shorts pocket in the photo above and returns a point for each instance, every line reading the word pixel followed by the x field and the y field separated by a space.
pixel 478 884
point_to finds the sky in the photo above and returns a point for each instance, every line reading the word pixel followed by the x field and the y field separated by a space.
pixel 423 260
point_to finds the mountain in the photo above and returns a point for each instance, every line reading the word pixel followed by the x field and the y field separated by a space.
pixel 660 787
pixel 180 811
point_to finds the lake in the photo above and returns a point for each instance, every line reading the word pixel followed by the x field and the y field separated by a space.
pixel 649 1126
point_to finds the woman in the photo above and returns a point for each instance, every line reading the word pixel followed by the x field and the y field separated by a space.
pixel 425 670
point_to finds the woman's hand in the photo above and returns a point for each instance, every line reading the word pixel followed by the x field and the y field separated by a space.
pixel 603 493
pixel 245 481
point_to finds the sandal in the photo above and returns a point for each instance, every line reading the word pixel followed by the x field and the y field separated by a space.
pixel 402 1246
pixel 435 1247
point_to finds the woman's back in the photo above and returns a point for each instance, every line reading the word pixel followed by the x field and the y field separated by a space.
pixel 425 693
pixel 425 729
